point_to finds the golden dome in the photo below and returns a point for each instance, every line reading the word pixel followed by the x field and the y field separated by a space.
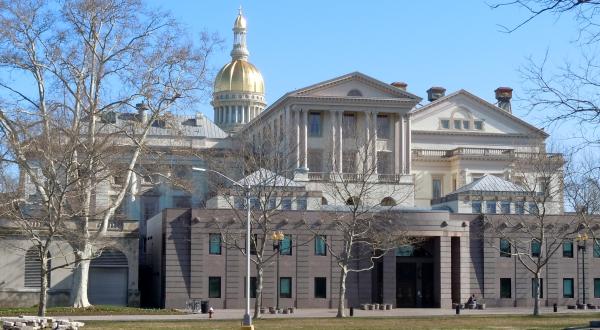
pixel 239 76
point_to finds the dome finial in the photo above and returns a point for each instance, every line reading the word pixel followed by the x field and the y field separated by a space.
pixel 240 11
pixel 239 51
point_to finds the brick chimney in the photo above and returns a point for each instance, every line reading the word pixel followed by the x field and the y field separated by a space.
pixel 503 95
pixel 400 84
pixel 435 93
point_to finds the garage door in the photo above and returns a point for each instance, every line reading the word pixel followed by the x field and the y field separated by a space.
pixel 108 279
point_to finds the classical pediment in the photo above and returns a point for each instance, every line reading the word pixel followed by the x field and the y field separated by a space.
pixel 468 108
pixel 357 85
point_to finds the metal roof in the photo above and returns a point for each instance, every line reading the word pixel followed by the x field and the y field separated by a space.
pixel 489 183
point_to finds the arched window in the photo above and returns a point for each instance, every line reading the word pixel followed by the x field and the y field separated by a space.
pixel 388 201
pixel 354 92
pixel 33 269
pixel 353 201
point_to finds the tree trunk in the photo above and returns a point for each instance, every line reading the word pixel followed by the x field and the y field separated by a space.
pixel 342 297
pixel 259 289
pixel 79 292
pixel 536 303
pixel 43 299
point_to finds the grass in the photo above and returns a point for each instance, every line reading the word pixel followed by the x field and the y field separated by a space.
pixel 435 322
pixel 94 310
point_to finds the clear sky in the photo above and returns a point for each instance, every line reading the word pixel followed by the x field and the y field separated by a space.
pixel 454 44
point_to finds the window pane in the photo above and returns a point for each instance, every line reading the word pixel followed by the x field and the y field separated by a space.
pixel 505 250
pixel 457 124
pixel 533 288
pixel 286 245
pixel 596 248
pixel 505 288
pixel 519 207
pixel 301 204
pixel 215 244
pixel 445 123
pixel 286 204
pixel 533 208
pixel 466 124
pixel 320 287
pixel 476 206
pixel 536 248
pixel 349 125
pixel 214 287
pixel 568 288
pixel 490 207
pixel 568 249
pixel 383 127
pixel 320 246
pixel 253 286
pixel 314 124
pixel 597 288
pixel 285 287
pixel 436 188
pixel 505 207
pixel 478 125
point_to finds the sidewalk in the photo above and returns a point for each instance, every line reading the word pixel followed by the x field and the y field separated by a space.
pixel 230 314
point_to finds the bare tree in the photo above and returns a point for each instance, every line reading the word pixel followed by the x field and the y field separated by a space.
pixel 361 202
pixel 84 62
pixel 534 233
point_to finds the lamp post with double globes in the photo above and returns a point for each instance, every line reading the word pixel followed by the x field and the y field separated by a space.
pixel 247 321
pixel 277 237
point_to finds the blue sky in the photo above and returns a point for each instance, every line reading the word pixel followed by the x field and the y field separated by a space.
pixel 455 44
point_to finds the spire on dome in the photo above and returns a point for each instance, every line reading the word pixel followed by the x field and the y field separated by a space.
pixel 239 51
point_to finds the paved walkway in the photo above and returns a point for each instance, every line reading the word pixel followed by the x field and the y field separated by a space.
pixel 230 314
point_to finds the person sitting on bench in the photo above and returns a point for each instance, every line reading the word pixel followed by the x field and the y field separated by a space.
pixel 472 302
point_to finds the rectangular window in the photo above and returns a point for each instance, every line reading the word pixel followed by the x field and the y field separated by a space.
pixel 255 203
pixel 349 162
pixel 384 162
pixel 214 287
pixel 301 204
pixel 445 123
pixel 457 124
pixel 505 249
pixel 596 248
pixel 466 124
pixel 568 290
pixel 568 249
pixel 476 207
pixel 285 246
pixel 320 287
pixel 254 244
pixel 519 207
pixel 490 207
pixel 272 203
pixel 285 287
pixel 349 125
pixel 533 288
pixel 286 204
pixel 214 243
pixel 533 208
pixel 321 245
pixel 597 288
pixel 478 124
pixel 253 285
pixel 315 160
pixel 383 127
pixel 536 248
pixel 436 188
pixel 505 288
pixel 505 207
pixel 314 124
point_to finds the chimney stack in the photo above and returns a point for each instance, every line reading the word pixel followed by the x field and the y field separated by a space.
pixel 503 95
pixel 435 93
pixel 400 84
pixel 142 110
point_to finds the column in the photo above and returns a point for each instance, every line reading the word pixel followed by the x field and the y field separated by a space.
pixel 408 145
pixel 244 114
pixel 340 122
pixel 296 114
pixel 397 144
pixel 374 138
pixel 445 255
pixel 333 123
pixel 305 139
pixel 367 145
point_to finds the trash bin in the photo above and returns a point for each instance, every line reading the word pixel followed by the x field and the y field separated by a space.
pixel 204 306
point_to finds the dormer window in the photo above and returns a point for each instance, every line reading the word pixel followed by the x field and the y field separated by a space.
pixel 457 124
pixel 478 124
pixel 355 92
pixel 445 123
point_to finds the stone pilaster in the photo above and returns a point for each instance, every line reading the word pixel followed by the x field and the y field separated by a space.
pixel 445 255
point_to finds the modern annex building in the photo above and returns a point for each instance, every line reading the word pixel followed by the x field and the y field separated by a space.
pixel 439 163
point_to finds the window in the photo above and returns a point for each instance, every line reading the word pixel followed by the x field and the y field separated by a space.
pixel 533 208
pixel 505 288
pixel 214 287
pixel 285 246
pixel 383 127
pixel 476 206
pixel 490 207
pixel 286 204
pixel 285 287
pixel 536 248
pixel 239 203
pixel 519 207
pixel 253 285
pixel 568 288
pixel 301 204
pixel 321 245
pixel 384 162
pixel 533 288
pixel 597 288
pixel 272 203
pixel 349 162
pixel 505 250
pixel 320 287
pixel 349 125
pixel 436 187
pixel 544 185
pixel 314 124
pixel 568 249
pixel 505 207
pixel 466 124
pixel 457 124
pixel 315 160
pixel 478 124
pixel 445 123
pixel 214 246
pixel 255 203
pixel 354 92
pixel 596 248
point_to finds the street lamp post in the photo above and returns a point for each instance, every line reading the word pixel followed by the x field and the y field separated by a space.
pixel 277 237
pixel 247 321
pixel 581 242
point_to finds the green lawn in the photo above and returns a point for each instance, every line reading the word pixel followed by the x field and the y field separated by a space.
pixel 94 310
pixel 441 322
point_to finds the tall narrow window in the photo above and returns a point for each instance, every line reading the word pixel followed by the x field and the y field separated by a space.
pixel 214 287
pixel 286 204
pixel 321 245
pixel 597 288
pixel 285 246
pixel 505 207
pixel 541 288
pixel 445 123
pixel 320 287
pixel 214 243
pixel 457 124
pixel 476 207
pixel 596 244
pixel 253 286
pixel 533 208
pixel 315 160
pixel 33 269
pixel 478 125
pixel 285 287
pixel 490 207
pixel 505 249
pixel 383 127
pixel 384 162
pixel 536 248
pixel 349 125
pixel 436 187
pixel 568 249
pixel 314 124
pixel 349 162
pixel 505 288
pixel 519 207
pixel 568 290
pixel 301 204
